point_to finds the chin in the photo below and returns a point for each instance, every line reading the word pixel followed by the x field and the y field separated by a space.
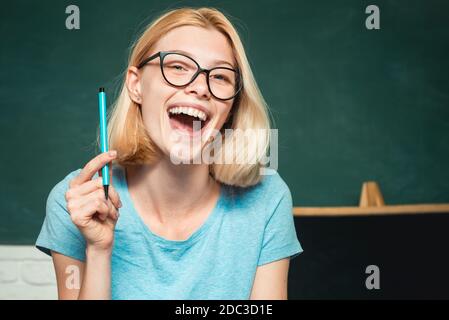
pixel 185 153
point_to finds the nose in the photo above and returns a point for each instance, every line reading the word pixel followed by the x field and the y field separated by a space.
pixel 199 86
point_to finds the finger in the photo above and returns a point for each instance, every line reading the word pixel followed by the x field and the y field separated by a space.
pixel 114 196
pixel 84 214
pixel 107 211
pixel 98 207
pixel 91 186
pixel 113 211
pixel 97 195
pixel 91 167
pixel 110 174
pixel 85 188
pixel 110 181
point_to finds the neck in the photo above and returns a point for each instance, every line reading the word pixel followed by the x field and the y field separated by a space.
pixel 172 191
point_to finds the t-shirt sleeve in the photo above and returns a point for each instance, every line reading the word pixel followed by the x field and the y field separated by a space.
pixel 280 239
pixel 58 232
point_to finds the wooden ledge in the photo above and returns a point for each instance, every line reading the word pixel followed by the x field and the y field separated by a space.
pixel 371 203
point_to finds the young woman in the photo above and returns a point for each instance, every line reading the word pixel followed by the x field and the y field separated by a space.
pixel 186 230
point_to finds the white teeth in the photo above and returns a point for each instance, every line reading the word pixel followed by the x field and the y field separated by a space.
pixel 189 111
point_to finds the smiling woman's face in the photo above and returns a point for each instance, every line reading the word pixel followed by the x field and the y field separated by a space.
pixel 172 131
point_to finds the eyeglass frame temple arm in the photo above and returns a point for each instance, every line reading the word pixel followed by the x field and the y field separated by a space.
pixel 144 62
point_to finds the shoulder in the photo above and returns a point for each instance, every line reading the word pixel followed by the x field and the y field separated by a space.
pixel 58 233
pixel 264 197
pixel 60 188
pixel 272 185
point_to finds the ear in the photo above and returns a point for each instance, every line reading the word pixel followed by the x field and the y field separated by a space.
pixel 133 84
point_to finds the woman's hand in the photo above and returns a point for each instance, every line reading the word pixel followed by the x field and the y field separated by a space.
pixel 89 210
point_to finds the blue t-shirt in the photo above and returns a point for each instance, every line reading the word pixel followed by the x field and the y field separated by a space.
pixel 247 228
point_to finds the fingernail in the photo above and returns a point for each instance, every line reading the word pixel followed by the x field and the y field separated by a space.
pixel 119 204
pixel 112 153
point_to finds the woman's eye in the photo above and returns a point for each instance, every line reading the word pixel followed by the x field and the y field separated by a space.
pixel 177 67
pixel 219 77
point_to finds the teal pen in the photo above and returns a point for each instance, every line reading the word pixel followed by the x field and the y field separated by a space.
pixel 103 137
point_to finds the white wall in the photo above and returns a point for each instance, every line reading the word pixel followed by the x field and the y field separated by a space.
pixel 26 273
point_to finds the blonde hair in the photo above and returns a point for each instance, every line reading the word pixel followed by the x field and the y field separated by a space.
pixel 126 130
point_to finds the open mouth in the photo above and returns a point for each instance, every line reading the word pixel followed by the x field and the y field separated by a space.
pixel 188 119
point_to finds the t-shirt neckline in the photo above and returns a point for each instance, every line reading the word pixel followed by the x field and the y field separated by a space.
pixel 195 236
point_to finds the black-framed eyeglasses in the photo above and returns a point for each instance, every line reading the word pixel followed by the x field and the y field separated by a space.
pixel 180 70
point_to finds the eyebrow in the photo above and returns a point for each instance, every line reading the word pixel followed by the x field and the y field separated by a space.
pixel 215 62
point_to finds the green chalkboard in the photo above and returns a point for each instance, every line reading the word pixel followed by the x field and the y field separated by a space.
pixel 351 104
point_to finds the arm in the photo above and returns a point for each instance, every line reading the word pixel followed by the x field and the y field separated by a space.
pixel 78 280
pixel 270 282
pixel 95 217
